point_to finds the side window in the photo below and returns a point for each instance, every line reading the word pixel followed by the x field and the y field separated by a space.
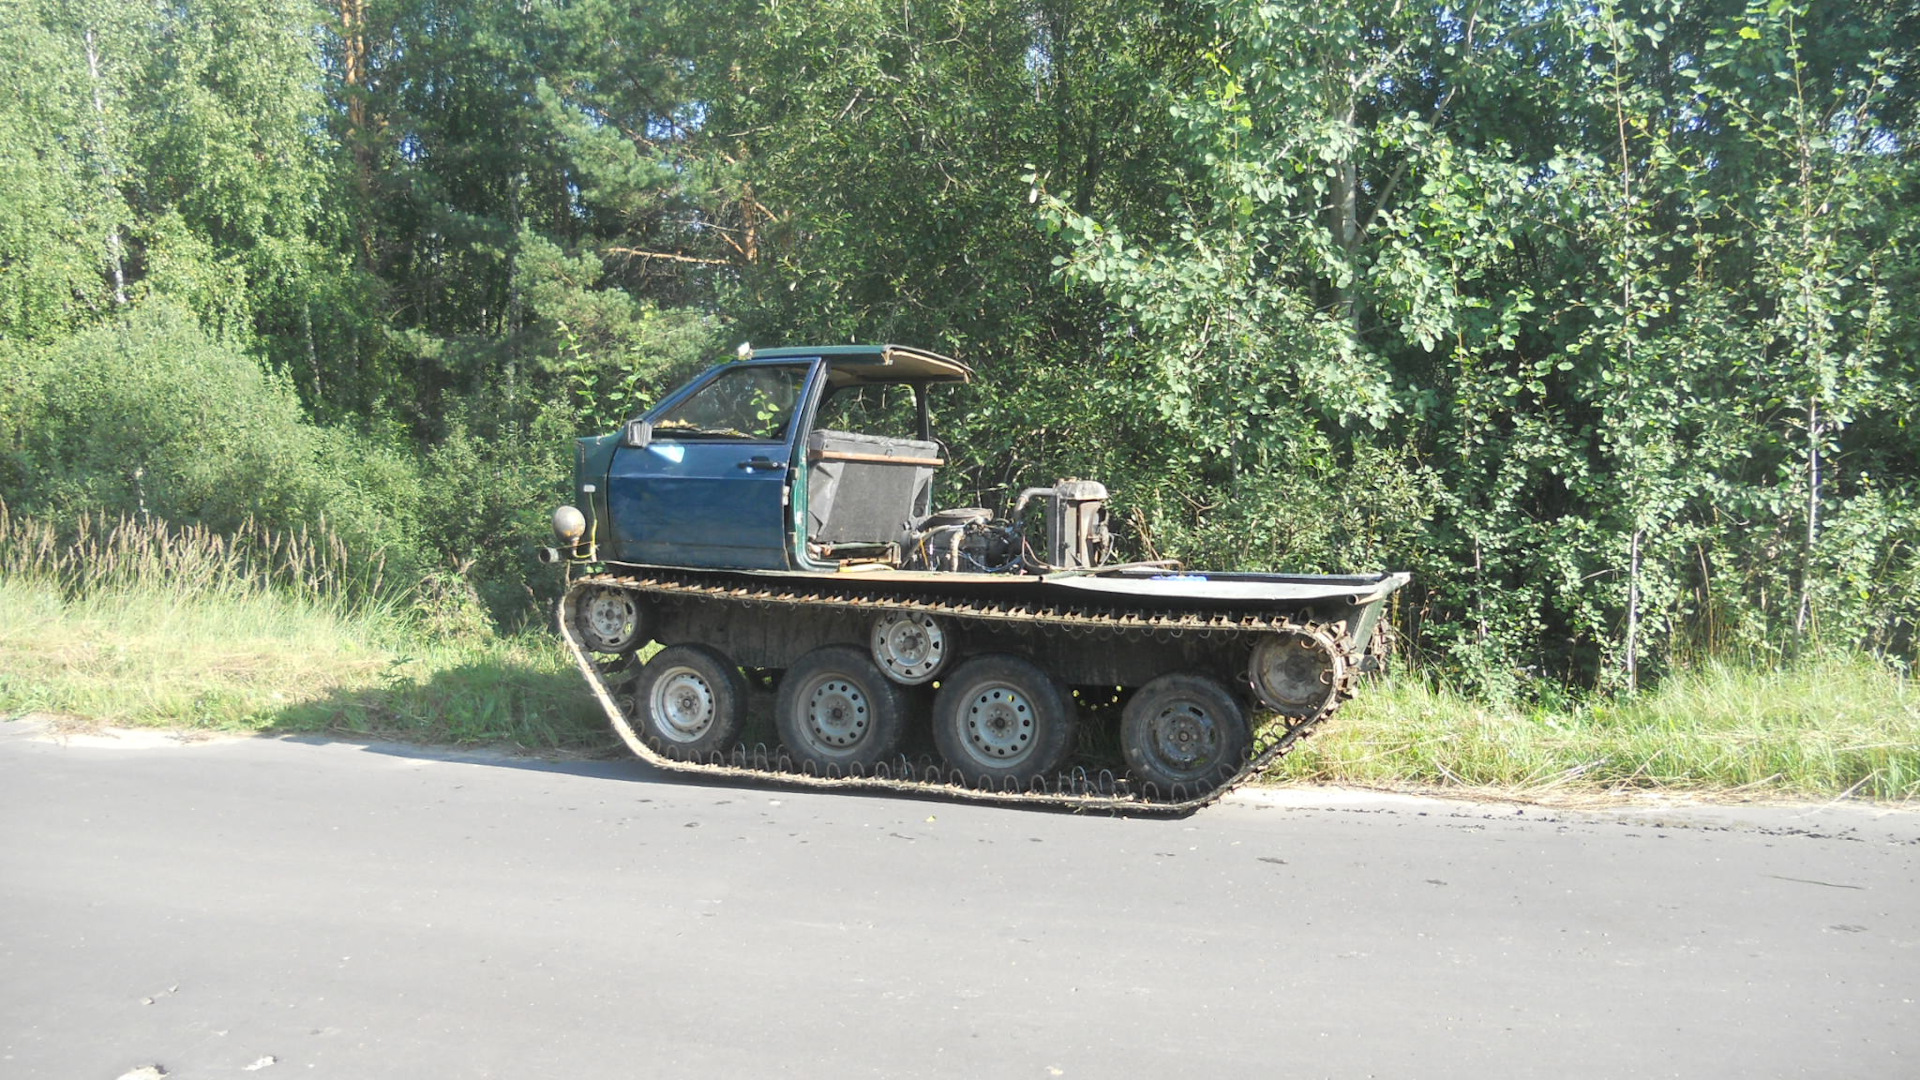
pixel 751 403
pixel 885 409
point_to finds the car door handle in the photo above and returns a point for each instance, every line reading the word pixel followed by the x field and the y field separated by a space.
pixel 759 462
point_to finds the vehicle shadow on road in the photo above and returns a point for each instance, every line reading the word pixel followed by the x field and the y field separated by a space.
pixel 495 710
pixel 620 766
pixel 502 712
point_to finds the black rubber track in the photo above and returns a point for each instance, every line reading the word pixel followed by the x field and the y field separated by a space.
pixel 1073 790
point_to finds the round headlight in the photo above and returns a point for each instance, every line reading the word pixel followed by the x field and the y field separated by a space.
pixel 569 524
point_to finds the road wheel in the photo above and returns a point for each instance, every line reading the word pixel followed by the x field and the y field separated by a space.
pixel 1001 718
pixel 836 710
pixel 1184 731
pixel 1298 673
pixel 910 647
pixel 608 619
pixel 690 702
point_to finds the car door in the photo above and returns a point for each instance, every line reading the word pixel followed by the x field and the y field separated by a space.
pixel 711 486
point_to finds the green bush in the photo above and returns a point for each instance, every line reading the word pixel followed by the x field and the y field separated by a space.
pixel 488 488
pixel 151 416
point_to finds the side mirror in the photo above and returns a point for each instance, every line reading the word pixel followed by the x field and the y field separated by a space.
pixel 638 434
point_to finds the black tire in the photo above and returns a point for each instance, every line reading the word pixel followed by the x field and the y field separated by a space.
pixel 836 709
pixel 609 619
pixel 689 703
pixel 1186 732
pixel 1001 718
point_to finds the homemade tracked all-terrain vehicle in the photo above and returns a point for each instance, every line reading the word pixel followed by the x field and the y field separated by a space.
pixel 771 526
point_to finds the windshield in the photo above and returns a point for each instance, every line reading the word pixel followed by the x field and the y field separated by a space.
pixel 751 403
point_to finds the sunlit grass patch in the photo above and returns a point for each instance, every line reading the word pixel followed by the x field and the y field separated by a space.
pixel 1820 727
pixel 262 662
pixel 132 623
pixel 147 656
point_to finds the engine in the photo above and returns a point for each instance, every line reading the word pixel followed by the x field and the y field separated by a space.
pixel 1073 518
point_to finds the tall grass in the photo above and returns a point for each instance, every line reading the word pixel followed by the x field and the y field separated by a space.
pixel 130 621
pixel 1820 727
pixel 101 554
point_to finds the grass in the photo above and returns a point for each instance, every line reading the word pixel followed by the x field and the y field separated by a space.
pixel 134 624
pixel 1817 728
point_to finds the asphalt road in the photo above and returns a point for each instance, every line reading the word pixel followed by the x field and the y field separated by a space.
pixel 344 910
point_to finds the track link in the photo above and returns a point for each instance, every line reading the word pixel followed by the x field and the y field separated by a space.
pixel 1075 789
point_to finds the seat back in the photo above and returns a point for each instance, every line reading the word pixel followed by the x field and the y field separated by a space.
pixel 866 488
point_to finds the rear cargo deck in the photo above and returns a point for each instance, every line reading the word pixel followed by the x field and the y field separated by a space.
pixel 1150 585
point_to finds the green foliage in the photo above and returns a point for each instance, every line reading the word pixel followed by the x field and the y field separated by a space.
pixel 1617 332
pixel 167 152
pixel 149 416
pixel 610 353
pixel 1590 315
pixel 486 490
pixel 61 208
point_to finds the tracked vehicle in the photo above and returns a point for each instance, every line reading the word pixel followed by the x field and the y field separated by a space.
pixel 771 525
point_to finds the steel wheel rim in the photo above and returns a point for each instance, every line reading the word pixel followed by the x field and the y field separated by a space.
pixel 909 647
pixel 999 725
pixel 611 615
pixel 1186 738
pixel 1294 673
pixel 682 703
pixel 837 713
